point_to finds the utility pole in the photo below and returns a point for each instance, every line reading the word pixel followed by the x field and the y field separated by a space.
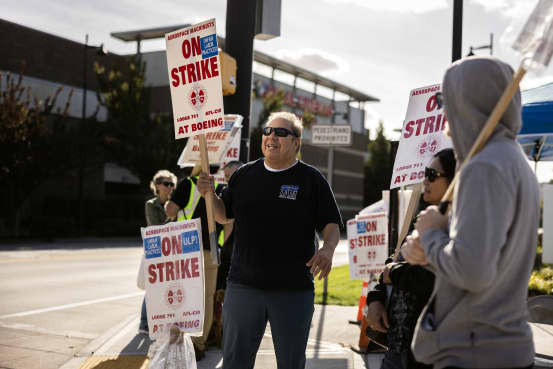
pixel 81 149
pixel 240 32
pixel 457 30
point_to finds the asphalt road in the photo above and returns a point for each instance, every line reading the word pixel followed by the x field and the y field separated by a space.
pixel 54 302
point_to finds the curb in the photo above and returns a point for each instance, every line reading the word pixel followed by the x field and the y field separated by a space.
pixel 97 344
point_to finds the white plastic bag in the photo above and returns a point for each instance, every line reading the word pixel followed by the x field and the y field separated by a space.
pixel 173 350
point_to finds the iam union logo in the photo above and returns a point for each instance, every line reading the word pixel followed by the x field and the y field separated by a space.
pixel 174 296
pixel 428 147
pixel 197 97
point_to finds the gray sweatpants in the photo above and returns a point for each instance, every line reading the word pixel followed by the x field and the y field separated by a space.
pixel 246 311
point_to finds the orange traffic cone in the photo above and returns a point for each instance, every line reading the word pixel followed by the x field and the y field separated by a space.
pixel 366 344
pixel 362 301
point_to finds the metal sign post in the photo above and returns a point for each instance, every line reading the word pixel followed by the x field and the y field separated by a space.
pixel 330 136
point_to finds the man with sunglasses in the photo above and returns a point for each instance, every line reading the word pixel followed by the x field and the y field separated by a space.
pixel 482 258
pixel 277 203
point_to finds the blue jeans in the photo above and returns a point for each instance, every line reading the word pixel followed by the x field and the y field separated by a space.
pixel 246 311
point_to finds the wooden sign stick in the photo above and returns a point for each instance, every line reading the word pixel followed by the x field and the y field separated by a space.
pixel 411 208
pixel 490 125
pixel 214 249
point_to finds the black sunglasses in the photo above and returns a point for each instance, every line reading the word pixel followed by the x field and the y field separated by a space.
pixel 279 132
pixel 439 99
pixel 432 174
pixel 167 184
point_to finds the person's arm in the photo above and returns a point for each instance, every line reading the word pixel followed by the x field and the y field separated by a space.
pixel 206 186
pixel 413 278
pixel 228 228
pixel 321 262
pixel 376 308
pixel 153 216
pixel 148 212
pixel 171 209
pixel 483 212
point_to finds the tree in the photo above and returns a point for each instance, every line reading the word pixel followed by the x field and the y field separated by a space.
pixel 378 168
pixel 273 101
pixel 35 143
pixel 135 138
pixel 308 118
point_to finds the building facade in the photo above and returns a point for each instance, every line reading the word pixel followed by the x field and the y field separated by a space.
pixel 49 61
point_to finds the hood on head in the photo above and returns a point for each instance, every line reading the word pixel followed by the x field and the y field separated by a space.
pixel 471 88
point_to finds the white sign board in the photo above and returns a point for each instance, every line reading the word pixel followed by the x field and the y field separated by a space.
pixel 368 245
pixel 174 277
pixel 331 135
pixel 195 79
pixel 421 137
pixel 232 154
pixel 217 143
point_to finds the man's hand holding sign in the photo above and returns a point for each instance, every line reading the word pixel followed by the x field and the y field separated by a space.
pixel 196 93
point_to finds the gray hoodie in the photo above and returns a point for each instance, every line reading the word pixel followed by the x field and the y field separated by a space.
pixel 483 265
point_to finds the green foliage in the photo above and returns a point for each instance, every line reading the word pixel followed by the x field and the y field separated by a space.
pixel 135 138
pixel 378 168
pixel 341 290
pixel 273 102
pixel 308 118
pixel 541 281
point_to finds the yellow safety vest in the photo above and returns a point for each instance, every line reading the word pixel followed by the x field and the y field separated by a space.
pixel 193 200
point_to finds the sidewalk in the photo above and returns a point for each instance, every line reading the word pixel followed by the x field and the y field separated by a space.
pixel 329 343
pixel 329 346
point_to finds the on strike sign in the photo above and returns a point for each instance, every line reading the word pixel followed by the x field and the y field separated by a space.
pixel 195 79
pixel 174 276
pixel 421 137
pixel 368 245
pixel 217 143
pixel 232 154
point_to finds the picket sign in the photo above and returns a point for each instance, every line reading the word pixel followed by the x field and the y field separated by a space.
pixel 535 43
pixel 174 277
pixel 232 154
pixel 196 93
pixel 421 136
pixel 368 245
pixel 218 143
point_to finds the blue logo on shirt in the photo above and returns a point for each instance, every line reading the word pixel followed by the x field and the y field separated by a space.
pixel 361 227
pixel 209 46
pixel 152 247
pixel 190 242
pixel 288 192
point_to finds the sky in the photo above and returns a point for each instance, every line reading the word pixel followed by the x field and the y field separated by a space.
pixel 381 48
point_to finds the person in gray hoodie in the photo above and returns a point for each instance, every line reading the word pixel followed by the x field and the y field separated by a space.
pixel 483 256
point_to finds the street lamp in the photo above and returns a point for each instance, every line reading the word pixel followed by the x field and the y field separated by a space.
pixel 490 46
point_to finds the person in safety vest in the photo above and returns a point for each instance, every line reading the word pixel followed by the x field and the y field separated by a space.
pixel 187 203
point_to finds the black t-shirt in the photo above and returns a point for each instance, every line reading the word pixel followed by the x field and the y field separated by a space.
pixel 181 196
pixel 275 217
